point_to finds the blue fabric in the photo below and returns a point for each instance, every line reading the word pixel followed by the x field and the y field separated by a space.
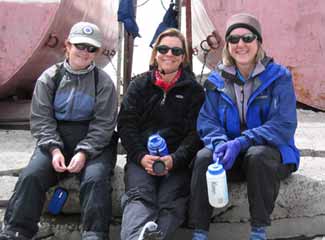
pixel 200 234
pixel 258 233
pixel 271 113
pixel 229 152
pixel 73 106
pixel 126 15
pixel 169 21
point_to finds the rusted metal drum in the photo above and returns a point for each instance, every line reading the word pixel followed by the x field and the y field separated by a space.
pixel 33 34
pixel 293 33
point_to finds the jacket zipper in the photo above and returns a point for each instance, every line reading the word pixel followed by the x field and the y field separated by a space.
pixel 162 102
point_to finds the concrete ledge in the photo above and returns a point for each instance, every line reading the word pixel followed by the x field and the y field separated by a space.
pixel 299 209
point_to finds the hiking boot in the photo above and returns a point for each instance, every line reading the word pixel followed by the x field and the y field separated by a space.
pixel 152 235
pixel 150 232
pixel 9 235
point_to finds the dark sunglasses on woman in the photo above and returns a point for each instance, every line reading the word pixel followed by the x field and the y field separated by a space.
pixel 247 38
pixel 176 51
pixel 89 48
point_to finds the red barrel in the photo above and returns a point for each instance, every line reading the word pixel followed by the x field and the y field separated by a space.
pixel 33 34
pixel 293 33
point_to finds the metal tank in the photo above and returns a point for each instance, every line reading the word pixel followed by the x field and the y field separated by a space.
pixel 293 34
pixel 32 35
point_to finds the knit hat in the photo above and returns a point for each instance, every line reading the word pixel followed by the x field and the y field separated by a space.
pixel 244 20
pixel 85 32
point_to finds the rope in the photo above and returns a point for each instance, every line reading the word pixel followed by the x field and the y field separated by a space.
pixel 142 4
pixel 205 56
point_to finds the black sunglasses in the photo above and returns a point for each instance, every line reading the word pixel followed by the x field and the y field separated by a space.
pixel 89 48
pixel 176 51
pixel 247 38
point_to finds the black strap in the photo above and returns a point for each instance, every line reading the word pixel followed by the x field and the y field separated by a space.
pixel 60 72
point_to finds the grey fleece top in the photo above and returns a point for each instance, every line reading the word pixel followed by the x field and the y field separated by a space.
pixel 75 100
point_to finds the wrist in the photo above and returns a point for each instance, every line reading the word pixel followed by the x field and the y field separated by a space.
pixel 55 150
pixel 244 143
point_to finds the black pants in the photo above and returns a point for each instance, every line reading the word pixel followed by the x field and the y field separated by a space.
pixel 260 166
pixel 152 198
pixel 26 204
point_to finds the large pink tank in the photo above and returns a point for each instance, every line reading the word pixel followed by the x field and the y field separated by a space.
pixel 293 33
pixel 32 34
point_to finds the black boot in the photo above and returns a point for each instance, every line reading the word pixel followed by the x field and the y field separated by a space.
pixel 10 235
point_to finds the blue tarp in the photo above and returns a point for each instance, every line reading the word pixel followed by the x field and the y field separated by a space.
pixel 126 15
pixel 169 21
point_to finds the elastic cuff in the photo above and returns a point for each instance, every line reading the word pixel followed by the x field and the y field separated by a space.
pixel 216 144
pixel 52 148
pixel 175 165
pixel 245 143
pixel 140 156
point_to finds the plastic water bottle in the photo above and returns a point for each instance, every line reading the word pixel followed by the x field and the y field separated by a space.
pixel 217 185
pixel 157 145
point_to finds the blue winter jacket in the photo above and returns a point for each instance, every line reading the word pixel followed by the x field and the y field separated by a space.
pixel 271 117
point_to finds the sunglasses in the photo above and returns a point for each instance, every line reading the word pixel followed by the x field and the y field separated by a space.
pixel 89 48
pixel 247 38
pixel 176 51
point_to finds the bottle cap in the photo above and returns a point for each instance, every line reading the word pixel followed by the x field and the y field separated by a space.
pixel 215 169
pixel 158 166
pixel 155 140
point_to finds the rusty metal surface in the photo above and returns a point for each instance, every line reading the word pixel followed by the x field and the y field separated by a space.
pixel 33 34
pixel 293 34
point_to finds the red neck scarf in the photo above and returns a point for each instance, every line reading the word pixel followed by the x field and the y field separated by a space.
pixel 166 85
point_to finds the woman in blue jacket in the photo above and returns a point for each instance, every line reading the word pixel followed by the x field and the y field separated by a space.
pixel 248 120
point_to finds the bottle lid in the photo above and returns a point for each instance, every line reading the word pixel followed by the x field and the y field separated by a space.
pixel 215 169
pixel 155 140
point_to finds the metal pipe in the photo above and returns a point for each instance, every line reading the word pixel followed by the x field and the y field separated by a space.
pixel 189 31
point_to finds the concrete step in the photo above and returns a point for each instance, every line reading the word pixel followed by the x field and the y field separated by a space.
pixel 299 211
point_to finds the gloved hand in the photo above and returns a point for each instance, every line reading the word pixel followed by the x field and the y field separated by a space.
pixel 229 151
pixel 217 156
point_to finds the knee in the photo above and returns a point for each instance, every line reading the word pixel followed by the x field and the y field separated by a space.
pixel 95 175
pixel 31 175
pixel 259 156
pixel 146 196
pixel 29 180
pixel 202 160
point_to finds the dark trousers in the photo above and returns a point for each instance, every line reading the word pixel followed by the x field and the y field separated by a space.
pixel 151 198
pixel 26 204
pixel 262 169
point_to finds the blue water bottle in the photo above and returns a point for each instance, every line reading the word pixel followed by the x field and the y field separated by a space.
pixel 157 146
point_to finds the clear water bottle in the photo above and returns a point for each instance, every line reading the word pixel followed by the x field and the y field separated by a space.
pixel 217 185
pixel 157 145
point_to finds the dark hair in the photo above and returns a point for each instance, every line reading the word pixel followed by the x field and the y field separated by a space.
pixel 170 32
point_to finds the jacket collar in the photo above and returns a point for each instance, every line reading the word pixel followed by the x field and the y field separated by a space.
pixel 229 72
pixel 79 72
pixel 228 77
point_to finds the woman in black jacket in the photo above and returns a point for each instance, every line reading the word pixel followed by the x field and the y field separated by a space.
pixel 164 100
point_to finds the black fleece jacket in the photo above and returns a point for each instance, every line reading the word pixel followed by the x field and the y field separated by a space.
pixel 146 110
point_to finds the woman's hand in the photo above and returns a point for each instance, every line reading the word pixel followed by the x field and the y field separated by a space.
pixel 77 162
pixel 168 160
pixel 147 162
pixel 58 161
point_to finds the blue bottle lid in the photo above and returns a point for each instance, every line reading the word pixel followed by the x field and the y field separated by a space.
pixel 155 141
pixel 215 169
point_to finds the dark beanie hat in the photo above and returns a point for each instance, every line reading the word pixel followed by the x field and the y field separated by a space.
pixel 244 20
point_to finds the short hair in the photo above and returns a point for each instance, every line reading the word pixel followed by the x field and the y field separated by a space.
pixel 228 60
pixel 170 32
